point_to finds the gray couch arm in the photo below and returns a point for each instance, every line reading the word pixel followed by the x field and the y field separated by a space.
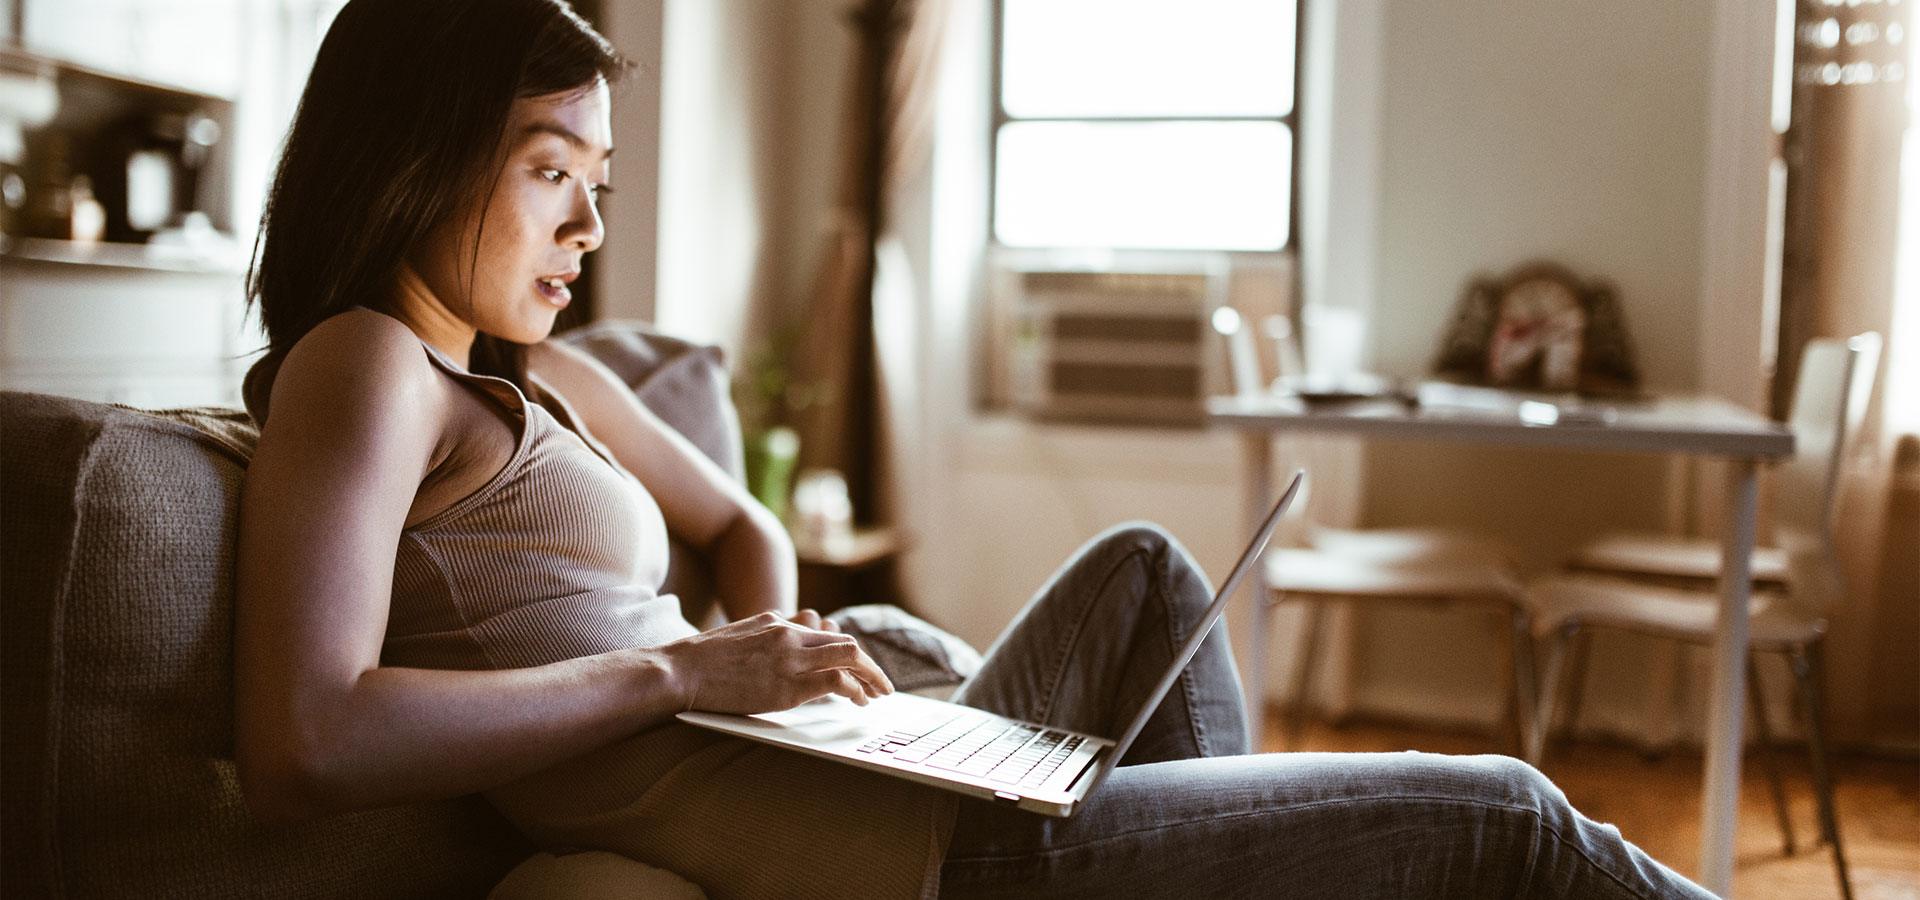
pixel 117 778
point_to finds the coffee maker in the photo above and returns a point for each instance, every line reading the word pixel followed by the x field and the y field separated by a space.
pixel 146 170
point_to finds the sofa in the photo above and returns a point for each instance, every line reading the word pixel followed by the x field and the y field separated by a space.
pixel 117 531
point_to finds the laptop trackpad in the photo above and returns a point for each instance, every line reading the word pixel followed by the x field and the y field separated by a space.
pixel 834 718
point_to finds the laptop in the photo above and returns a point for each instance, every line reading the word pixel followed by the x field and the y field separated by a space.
pixel 970 751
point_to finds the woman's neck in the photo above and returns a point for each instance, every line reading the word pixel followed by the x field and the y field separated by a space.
pixel 416 305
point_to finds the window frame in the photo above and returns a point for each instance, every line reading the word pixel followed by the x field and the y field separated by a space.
pixel 1000 118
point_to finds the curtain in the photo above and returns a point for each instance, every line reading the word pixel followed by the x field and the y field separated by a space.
pixel 864 275
pixel 1843 152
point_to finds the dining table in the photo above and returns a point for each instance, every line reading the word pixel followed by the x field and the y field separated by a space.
pixel 1655 423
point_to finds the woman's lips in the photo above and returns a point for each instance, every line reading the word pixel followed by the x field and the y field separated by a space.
pixel 554 292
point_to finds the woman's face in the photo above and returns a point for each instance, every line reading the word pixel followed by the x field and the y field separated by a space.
pixel 542 219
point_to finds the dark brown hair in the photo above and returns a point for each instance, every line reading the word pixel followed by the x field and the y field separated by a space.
pixel 400 125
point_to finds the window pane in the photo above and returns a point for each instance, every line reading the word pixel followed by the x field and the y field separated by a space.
pixel 1190 185
pixel 1095 58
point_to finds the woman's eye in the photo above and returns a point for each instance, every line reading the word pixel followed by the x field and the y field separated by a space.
pixel 553 176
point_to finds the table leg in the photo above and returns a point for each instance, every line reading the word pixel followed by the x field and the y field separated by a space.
pixel 1257 456
pixel 1726 725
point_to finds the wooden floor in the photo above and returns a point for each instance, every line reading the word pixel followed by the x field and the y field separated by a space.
pixel 1878 802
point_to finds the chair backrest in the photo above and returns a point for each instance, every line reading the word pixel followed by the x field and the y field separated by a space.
pixel 1829 402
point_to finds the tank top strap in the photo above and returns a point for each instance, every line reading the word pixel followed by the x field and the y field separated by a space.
pixel 505 392
pixel 557 412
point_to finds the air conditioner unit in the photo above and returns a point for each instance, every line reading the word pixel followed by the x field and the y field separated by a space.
pixel 1125 345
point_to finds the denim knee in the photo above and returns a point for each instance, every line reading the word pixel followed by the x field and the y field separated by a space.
pixel 1137 535
pixel 1512 782
pixel 1168 560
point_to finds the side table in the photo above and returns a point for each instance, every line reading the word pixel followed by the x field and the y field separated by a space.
pixel 856 569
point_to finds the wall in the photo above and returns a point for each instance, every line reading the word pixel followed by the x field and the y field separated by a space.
pixel 628 257
pixel 716 63
pixel 747 142
pixel 1511 131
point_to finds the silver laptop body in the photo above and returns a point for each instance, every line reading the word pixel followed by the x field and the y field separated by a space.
pixel 977 753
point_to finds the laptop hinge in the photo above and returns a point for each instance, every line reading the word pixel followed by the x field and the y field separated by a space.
pixel 1093 765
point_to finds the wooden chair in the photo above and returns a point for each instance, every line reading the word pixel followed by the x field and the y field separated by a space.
pixel 1405 568
pixel 1665 586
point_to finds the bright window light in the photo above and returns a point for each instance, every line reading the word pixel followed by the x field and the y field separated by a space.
pixel 1903 344
pixel 1181 185
pixel 1156 58
pixel 1146 124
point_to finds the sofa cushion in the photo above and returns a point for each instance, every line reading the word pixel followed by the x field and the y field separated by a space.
pixel 918 656
pixel 117 771
pixel 684 383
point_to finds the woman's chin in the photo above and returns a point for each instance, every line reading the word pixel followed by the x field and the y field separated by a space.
pixel 530 328
pixel 538 319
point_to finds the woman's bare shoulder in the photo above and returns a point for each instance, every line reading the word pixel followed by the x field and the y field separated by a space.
pixel 359 367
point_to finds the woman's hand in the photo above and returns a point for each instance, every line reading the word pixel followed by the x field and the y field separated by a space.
pixel 769 662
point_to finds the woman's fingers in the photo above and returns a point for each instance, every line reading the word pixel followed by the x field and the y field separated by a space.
pixel 813 637
pixel 835 681
pixel 864 693
pixel 813 619
pixel 847 656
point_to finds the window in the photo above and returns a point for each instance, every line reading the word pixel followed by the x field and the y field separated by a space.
pixel 1165 124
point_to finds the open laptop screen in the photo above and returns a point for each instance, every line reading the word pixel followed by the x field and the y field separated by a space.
pixel 1200 632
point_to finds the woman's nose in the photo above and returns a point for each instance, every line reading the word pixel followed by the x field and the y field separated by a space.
pixel 583 230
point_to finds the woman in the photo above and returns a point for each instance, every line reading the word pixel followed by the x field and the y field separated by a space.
pixel 453 536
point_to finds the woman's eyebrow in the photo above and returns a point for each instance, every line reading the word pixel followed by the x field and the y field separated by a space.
pixel 563 133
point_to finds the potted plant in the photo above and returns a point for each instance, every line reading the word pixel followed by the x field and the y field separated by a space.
pixel 771 401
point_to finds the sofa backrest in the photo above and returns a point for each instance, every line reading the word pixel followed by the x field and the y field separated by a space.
pixel 684 383
pixel 116 560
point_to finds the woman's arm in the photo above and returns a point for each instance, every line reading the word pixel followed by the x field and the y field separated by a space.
pixel 753 557
pixel 320 725
pixel 357 417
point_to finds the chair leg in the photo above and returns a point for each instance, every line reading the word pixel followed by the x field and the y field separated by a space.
pixel 1300 700
pixel 1552 675
pixel 1577 683
pixel 1523 686
pixel 1768 752
pixel 1806 672
pixel 1676 663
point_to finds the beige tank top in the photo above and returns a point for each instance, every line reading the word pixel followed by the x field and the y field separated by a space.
pixel 560 555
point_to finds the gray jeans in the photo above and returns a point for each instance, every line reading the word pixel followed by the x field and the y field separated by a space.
pixel 1189 814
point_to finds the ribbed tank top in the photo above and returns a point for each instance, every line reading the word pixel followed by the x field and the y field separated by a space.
pixel 559 555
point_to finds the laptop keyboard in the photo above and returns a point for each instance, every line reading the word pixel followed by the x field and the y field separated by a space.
pixel 996 749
